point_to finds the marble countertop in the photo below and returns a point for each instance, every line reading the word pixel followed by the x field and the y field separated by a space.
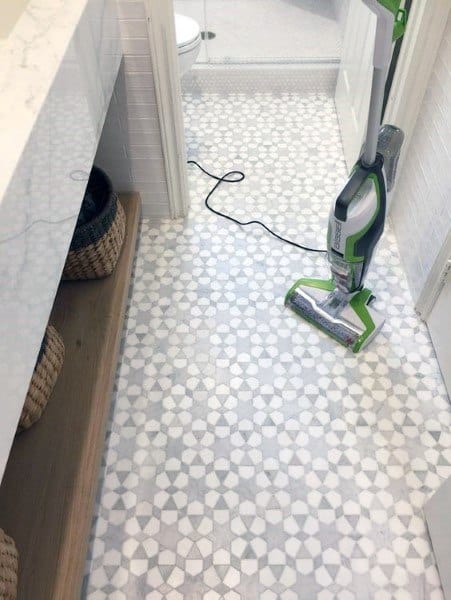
pixel 58 68
pixel 29 60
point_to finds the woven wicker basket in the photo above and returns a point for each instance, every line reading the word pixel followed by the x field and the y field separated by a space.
pixel 46 371
pixel 9 566
pixel 99 234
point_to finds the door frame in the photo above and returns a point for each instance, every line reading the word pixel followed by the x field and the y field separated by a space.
pixel 165 66
pixel 416 62
pixel 435 281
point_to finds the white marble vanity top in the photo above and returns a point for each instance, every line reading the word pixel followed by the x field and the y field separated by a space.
pixel 9 15
pixel 58 64
pixel 30 56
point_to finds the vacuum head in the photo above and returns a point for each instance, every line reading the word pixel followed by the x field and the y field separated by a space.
pixel 350 321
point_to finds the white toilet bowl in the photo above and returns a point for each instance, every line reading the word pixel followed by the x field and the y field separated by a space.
pixel 188 37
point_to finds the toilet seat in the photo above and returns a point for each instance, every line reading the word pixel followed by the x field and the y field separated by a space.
pixel 187 33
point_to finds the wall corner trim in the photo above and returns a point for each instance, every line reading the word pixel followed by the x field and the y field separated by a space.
pixel 436 280
pixel 424 34
pixel 161 28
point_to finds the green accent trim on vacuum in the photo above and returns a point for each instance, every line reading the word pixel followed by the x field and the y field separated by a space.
pixel 359 305
pixel 400 15
pixel 353 239
pixel 391 5
pixel 400 24
pixel 321 284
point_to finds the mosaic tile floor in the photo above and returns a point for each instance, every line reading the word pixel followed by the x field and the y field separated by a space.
pixel 249 456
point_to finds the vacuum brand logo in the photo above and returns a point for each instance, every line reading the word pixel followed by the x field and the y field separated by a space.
pixel 337 234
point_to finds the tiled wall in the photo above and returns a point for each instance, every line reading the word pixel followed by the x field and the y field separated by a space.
pixel 421 212
pixel 130 148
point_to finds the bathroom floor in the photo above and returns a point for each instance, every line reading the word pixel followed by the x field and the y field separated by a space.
pixel 248 455
pixel 255 30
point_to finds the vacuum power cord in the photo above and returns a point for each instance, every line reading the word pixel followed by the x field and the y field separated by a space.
pixel 237 177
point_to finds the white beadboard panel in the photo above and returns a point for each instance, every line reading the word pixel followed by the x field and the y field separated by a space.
pixel 137 64
pixel 130 148
pixel 421 212
pixel 144 138
pixel 131 10
pixel 161 199
pixel 138 46
pixel 147 151
pixel 145 170
pixel 137 111
pixel 133 28
pixel 160 189
pixel 143 125
pixel 139 81
pixel 128 96
pixel 132 89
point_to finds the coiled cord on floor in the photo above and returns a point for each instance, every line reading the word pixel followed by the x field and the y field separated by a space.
pixel 237 177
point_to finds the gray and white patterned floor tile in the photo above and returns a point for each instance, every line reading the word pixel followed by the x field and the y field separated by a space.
pixel 249 456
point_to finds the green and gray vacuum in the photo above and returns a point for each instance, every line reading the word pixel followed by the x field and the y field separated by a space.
pixel 341 305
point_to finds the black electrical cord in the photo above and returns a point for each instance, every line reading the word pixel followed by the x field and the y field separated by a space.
pixel 237 177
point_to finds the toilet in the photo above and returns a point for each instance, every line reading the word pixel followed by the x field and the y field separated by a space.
pixel 188 37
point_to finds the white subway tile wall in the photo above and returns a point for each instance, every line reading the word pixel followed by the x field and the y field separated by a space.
pixel 130 148
pixel 421 212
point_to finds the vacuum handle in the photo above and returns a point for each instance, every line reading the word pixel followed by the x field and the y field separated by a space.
pixel 387 13
pixel 388 27
pixel 349 193
pixel 389 145
pixel 351 190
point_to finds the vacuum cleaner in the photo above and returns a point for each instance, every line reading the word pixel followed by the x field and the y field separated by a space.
pixel 341 305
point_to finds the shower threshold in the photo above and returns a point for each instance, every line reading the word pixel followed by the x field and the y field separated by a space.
pixel 260 77
pixel 263 62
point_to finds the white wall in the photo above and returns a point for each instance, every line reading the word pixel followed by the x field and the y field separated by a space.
pixel 421 212
pixel 130 148
pixel 341 11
